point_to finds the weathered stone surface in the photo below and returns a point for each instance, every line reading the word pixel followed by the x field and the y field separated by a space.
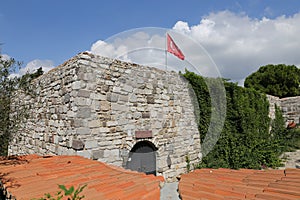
pixel 85 153
pixel 84 93
pixel 91 106
pixel 111 123
pixel 97 96
pixel 67 98
pixel 112 97
pixel 104 105
pixel 83 131
pixel 77 144
pixel 150 99
pixel 76 85
pixel 127 88
pixel 146 115
pixel 289 106
pixel 94 124
pixel 84 112
pixel 96 154
pixel 90 144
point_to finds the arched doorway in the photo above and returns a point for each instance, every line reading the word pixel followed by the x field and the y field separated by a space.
pixel 142 158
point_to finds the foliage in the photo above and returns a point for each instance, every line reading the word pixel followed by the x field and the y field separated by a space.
pixel 292 140
pixel 278 126
pixel 70 194
pixel 288 139
pixel 278 80
pixel 28 77
pixel 188 163
pixel 245 141
pixel 8 86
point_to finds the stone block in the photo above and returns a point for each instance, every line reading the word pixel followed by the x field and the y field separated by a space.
pixel 132 98
pixel 111 153
pixel 129 126
pixel 55 138
pixel 97 96
pixel 89 77
pixel 104 105
pixel 103 130
pixel 77 144
pixel 90 144
pixel 83 101
pixel 36 136
pixel 69 152
pixel 127 88
pixel 137 115
pixel 96 154
pixel 146 115
pixel 94 124
pixel 123 98
pixel 76 85
pixel 67 98
pixel 77 122
pixel 111 123
pixel 84 112
pixel 119 107
pixel 112 97
pixel 85 153
pixel 83 131
pixel 84 93
pixel 95 105
pixel 150 99
pixel 122 121
pixel 116 90
pixel 71 114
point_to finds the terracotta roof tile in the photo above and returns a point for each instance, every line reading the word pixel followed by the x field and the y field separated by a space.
pixel 240 184
pixel 27 177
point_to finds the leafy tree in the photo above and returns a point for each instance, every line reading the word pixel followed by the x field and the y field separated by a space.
pixel 8 86
pixel 278 80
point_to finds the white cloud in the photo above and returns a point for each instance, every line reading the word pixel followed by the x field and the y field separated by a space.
pixel 33 65
pixel 5 57
pixel 238 44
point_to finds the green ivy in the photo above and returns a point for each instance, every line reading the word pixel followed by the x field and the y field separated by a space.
pixel 245 141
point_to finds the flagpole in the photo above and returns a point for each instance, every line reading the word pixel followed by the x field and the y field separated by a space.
pixel 166 51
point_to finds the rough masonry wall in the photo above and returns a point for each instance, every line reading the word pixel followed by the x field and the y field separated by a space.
pixel 290 107
pixel 92 106
pixel 272 102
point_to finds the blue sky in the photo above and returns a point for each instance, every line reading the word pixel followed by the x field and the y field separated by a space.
pixel 54 31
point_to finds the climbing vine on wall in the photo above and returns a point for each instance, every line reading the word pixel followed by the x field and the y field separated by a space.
pixel 245 141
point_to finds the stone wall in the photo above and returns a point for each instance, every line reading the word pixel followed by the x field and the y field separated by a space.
pixel 272 102
pixel 93 106
pixel 290 107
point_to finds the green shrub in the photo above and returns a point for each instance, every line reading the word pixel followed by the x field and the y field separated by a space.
pixel 245 141
pixel 70 193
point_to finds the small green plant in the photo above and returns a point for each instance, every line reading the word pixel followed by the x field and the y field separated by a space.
pixel 188 164
pixel 70 193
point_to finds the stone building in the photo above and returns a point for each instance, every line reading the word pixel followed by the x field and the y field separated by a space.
pixel 290 107
pixel 128 115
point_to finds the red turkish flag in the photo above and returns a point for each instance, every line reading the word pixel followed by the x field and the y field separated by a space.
pixel 172 48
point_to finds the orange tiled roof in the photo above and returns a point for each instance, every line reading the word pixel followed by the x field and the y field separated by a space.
pixel 32 176
pixel 240 184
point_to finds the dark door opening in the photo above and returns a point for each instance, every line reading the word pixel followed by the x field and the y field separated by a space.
pixel 142 158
